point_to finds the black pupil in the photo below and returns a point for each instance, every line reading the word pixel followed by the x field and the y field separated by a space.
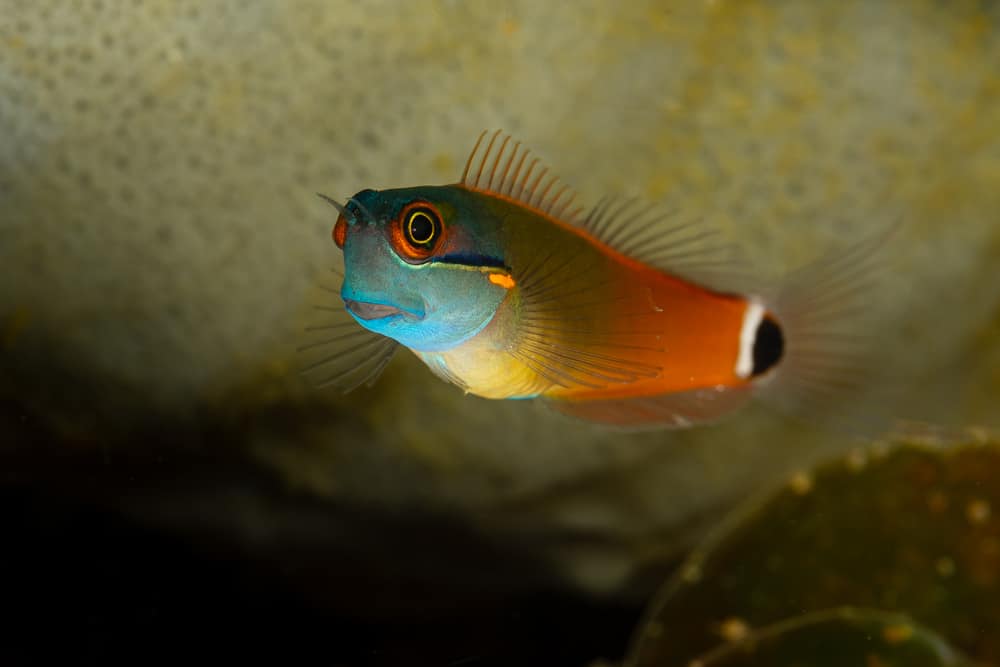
pixel 421 228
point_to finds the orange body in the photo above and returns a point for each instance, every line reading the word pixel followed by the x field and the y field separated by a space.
pixel 583 321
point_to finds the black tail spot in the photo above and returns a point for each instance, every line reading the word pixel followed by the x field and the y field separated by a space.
pixel 768 346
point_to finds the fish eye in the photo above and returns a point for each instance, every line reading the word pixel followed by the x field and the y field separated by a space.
pixel 422 228
pixel 417 232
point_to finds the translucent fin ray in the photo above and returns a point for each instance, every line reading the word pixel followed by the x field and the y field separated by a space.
pixel 832 370
pixel 651 234
pixel 560 336
pixel 335 351
pixel 664 411
pixel 497 166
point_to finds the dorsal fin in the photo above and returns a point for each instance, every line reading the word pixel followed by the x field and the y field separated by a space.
pixel 651 234
pixel 505 168
pixel 655 236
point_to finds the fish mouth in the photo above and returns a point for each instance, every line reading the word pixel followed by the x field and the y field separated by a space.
pixel 374 311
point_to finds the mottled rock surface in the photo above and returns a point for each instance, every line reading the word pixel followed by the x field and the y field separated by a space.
pixel 876 545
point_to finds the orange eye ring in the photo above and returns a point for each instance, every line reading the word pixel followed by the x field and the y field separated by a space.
pixel 340 232
pixel 418 232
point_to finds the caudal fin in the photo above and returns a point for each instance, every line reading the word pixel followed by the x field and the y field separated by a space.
pixel 831 370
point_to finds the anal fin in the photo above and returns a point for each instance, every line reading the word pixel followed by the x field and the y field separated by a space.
pixel 674 410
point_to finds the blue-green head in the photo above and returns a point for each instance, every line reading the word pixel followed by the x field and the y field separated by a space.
pixel 424 265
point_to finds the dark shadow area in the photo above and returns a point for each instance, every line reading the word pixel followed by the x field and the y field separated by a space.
pixel 83 584
pixel 86 578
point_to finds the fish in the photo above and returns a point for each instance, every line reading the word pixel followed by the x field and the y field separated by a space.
pixel 618 314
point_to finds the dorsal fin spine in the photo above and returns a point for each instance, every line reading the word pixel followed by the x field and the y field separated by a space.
pixel 605 216
pixel 625 211
pixel 610 214
pixel 595 213
pixel 486 156
pixel 517 171
pixel 554 201
pixel 468 163
pixel 496 161
pixel 527 175
pixel 542 204
pixel 640 233
pixel 506 168
pixel 636 232
pixel 569 200
pixel 534 186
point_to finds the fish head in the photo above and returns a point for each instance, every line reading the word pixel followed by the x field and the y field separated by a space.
pixel 423 265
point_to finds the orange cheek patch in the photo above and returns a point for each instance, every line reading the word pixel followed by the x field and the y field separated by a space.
pixel 501 279
pixel 340 232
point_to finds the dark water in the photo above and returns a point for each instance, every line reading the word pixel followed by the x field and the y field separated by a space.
pixel 83 580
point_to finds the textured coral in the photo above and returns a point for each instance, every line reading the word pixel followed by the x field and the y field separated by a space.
pixel 159 229
pixel 909 529
pixel 839 637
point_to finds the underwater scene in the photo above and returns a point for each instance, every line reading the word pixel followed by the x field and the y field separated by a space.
pixel 620 334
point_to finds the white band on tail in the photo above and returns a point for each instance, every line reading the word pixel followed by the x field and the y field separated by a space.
pixel 748 333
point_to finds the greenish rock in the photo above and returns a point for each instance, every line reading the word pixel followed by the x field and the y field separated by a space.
pixel 835 639
pixel 911 529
